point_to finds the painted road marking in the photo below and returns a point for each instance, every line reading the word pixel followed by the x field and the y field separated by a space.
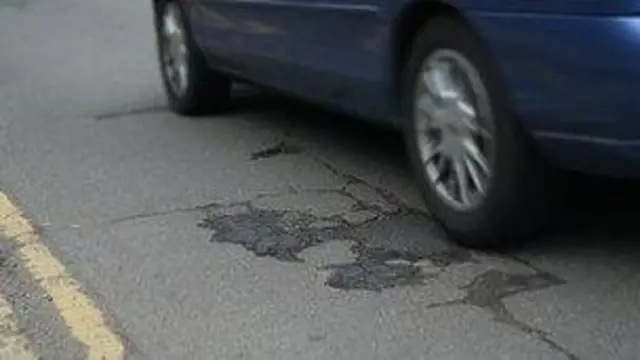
pixel 13 345
pixel 85 321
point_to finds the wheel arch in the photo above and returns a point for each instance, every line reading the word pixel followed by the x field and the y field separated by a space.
pixel 408 23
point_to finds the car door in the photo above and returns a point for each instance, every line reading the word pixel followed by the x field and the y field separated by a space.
pixel 324 50
pixel 215 29
pixel 253 33
pixel 338 52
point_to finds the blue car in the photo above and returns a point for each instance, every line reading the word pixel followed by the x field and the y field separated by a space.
pixel 496 98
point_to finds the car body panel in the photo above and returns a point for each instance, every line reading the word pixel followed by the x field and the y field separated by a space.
pixel 573 83
pixel 285 44
pixel 570 67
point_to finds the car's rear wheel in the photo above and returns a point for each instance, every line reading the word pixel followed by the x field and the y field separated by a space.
pixel 191 86
pixel 479 174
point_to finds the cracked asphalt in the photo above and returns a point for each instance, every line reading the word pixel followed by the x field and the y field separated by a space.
pixel 276 230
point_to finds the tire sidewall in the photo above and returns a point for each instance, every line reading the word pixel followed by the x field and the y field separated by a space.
pixel 454 34
pixel 177 101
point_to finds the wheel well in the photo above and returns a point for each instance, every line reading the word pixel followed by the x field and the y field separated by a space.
pixel 155 4
pixel 409 23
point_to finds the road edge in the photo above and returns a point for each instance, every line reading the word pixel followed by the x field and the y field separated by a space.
pixel 83 318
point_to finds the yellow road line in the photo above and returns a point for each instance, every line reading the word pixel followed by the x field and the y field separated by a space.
pixel 13 345
pixel 81 315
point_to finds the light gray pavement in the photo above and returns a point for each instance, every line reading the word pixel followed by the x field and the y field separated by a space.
pixel 197 247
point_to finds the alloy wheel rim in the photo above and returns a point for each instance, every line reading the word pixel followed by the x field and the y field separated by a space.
pixel 454 128
pixel 175 54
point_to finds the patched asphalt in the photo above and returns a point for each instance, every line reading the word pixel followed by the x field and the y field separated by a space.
pixel 275 230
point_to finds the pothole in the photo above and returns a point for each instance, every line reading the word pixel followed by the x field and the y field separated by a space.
pixel 387 251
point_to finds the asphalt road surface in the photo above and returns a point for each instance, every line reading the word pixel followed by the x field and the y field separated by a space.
pixel 274 231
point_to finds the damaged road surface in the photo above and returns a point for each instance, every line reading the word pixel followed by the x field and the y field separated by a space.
pixel 273 230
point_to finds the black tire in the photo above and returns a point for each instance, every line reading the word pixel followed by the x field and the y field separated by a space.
pixel 206 91
pixel 523 189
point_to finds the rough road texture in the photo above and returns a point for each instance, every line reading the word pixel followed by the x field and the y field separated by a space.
pixel 387 241
pixel 273 231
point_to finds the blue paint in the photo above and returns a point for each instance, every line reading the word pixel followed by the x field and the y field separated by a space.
pixel 572 68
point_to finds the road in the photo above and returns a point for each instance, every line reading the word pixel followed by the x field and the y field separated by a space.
pixel 273 231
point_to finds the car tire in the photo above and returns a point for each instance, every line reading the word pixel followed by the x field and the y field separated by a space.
pixel 191 86
pixel 519 192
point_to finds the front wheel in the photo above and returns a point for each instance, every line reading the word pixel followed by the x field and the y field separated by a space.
pixel 191 86
pixel 479 175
